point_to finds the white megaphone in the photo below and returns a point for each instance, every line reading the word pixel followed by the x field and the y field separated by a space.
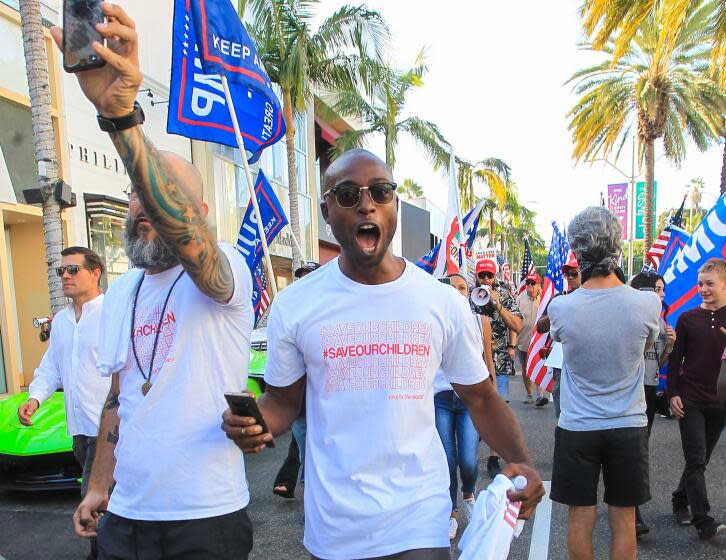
pixel 480 296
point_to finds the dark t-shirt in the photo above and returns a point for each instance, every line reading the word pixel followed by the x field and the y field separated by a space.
pixel 696 358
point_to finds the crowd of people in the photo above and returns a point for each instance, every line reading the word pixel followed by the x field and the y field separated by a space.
pixel 398 376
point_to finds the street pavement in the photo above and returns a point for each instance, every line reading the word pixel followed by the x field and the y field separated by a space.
pixel 39 526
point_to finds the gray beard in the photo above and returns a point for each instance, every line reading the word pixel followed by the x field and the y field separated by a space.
pixel 147 254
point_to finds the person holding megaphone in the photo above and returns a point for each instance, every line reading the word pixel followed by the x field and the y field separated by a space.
pixel 506 321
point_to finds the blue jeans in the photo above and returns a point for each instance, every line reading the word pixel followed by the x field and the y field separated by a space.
pixel 299 431
pixel 460 440
pixel 503 386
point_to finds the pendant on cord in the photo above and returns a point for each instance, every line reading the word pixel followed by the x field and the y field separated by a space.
pixel 146 387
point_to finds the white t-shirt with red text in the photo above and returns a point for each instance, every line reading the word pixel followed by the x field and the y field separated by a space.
pixel 376 478
pixel 173 461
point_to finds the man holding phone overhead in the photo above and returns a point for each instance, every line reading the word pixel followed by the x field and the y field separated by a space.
pixel 180 484
pixel 366 337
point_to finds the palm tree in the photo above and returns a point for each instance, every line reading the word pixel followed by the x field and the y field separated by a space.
pixel 36 67
pixel 411 189
pixel 694 199
pixel 604 18
pixel 492 172
pixel 337 56
pixel 663 89
pixel 382 112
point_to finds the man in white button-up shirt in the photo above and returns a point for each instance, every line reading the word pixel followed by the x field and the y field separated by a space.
pixel 70 361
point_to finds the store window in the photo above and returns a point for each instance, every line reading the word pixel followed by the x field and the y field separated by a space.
pixel 106 222
pixel 12 58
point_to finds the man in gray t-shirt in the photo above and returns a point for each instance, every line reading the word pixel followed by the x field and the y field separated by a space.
pixel 603 334
pixel 604 328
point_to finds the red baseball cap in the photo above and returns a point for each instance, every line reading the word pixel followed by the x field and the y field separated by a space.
pixel 571 262
pixel 533 276
pixel 486 265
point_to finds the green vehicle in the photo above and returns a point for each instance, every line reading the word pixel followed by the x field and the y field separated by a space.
pixel 40 457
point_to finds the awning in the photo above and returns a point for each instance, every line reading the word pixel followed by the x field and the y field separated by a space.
pixel 329 134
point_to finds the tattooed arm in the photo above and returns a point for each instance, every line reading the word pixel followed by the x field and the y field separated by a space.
pixel 93 504
pixel 174 214
pixel 105 460
pixel 167 195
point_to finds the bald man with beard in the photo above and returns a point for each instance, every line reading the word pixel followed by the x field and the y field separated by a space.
pixel 180 488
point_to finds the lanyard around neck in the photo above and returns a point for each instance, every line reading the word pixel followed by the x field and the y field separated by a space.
pixel 146 377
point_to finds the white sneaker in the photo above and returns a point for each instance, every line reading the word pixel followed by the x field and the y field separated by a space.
pixel 469 507
pixel 453 528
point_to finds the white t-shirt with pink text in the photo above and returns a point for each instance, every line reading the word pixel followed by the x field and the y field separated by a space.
pixel 376 478
pixel 173 461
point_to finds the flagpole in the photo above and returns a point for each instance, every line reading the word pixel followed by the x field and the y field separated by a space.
pixel 295 241
pixel 253 196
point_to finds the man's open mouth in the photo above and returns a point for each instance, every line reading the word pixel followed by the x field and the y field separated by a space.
pixel 367 237
pixel 142 225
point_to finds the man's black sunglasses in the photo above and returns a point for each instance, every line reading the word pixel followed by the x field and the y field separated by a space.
pixel 72 269
pixel 531 282
pixel 572 273
pixel 485 275
pixel 348 196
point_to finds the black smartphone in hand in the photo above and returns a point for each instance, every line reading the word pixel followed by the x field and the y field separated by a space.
pixel 242 404
pixel 79 32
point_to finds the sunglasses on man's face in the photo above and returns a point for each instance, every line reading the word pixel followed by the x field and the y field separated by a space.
pixel 485 275
pixel 348 196
pixel 531 282
pixel 72 269
pixel 572 273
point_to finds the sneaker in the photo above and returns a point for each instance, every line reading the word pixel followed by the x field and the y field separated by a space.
pixel 493 467
pixel 541 401
pixel 453 528
pixel 641 528
pixel 682 515
pixel 469 507
pixel 528 400
pixel 713 530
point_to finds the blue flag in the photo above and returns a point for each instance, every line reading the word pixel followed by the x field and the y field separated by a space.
pixel 260 293
pixel 197 105
pixel 681 274
pixel 273 220
pixel 428 261
pixel 471 222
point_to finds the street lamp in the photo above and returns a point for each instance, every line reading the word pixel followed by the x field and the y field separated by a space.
pixel 631 202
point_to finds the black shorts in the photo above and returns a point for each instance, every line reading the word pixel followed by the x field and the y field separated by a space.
pixel 622 453
pixel 226 537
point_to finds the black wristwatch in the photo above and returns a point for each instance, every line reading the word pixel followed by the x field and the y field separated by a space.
pixel 512 346
pixel 122 123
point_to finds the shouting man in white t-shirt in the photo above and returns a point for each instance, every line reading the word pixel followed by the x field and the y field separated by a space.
pixel 364 336
pixel 174 338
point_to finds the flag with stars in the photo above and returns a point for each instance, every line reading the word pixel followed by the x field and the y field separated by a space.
pixel 208 38
pixel 656 252
pixel 527 268
pixel 249 243
pixel 471 223
pixel 260 291
pixel 554 283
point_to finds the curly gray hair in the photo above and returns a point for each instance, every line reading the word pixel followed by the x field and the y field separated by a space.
pixel 595 233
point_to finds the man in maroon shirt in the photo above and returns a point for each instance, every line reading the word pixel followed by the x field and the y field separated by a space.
pixel 693 371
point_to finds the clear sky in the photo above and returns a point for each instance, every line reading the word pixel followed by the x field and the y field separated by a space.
pixel 495 88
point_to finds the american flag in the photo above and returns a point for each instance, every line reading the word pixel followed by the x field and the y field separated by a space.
pixel 527 268
pixel 260 291
pixel 655 253
pixel 554 283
